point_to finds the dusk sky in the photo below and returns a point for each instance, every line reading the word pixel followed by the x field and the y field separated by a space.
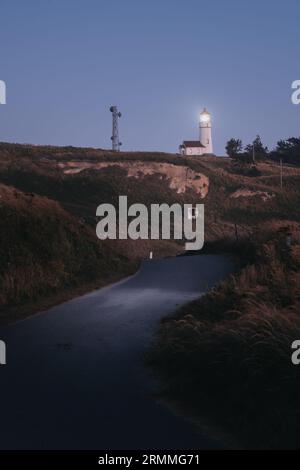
pixel 160 61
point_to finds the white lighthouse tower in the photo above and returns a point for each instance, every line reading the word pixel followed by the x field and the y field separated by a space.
pixel 205 131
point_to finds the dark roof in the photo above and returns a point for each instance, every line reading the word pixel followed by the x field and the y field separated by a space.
pixel 192 143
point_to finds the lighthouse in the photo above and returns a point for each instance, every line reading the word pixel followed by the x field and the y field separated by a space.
pixel 205 131
pixel 202 146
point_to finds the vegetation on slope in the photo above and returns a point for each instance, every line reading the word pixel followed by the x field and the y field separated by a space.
pixel 227 356
pixel 44 251
pixel 37 170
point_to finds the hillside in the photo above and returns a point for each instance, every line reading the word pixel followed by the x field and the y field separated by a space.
pixel 81 179
pixel 49 195
pixel 231 348
pixel 47 255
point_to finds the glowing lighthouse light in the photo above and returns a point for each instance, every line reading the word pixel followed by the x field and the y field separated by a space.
pixel 205 116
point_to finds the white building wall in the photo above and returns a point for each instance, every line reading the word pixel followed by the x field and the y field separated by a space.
pixel 205 138
pixel 193 151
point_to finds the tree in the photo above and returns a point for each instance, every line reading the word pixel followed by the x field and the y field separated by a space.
pixel 260 151
pixel 288 150
pixel 234 147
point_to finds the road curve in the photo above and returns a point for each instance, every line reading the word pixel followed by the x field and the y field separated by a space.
pixel 75 378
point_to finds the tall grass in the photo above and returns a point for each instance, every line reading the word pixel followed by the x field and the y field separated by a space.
pixel 44 250
pixel 228 355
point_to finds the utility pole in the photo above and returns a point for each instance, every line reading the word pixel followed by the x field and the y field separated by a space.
pixel 281 179
pixel 253 153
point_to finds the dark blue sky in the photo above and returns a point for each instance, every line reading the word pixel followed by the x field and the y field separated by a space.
pixel 66 61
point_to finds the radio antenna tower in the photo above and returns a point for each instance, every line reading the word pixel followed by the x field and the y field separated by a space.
pixel 115 128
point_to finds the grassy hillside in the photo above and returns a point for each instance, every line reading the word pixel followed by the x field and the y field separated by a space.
pixel 44 171
pixel 45 251
pixel 239 203
pixel 226 358
pixel 227 355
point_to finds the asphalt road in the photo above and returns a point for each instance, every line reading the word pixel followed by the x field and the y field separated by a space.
pixel 75 377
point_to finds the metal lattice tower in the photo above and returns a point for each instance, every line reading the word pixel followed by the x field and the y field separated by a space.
pixel 115 128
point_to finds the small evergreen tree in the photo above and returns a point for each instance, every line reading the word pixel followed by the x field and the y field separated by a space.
pixel 234 147
pixel 260 151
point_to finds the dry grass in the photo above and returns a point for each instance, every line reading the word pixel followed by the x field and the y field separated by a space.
pixel 228 355
pixel 44 250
